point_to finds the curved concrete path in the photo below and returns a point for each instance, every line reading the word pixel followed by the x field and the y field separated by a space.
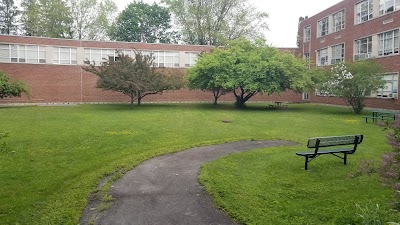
pixel 165 190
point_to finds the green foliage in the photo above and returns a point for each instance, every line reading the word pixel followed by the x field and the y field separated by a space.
pixel 3 145
pixel 135 78
pixel 8 17
pixel 216 22
pixel 47 18
pixel 10 88
pixel 248 68
pixel 62 153
pixel 353 82
pixel 141 22
pixel 92 19
pixel 371 215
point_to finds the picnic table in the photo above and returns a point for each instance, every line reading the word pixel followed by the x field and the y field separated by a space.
pixel 380 115
pixel 278 105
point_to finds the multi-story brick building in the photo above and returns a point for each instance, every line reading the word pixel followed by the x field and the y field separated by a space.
pixel 356 30
pixel 52 68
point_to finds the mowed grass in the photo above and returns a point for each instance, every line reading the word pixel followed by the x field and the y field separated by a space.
pixel 59 154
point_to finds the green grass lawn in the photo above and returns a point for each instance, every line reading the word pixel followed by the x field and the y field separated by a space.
pixel 59 154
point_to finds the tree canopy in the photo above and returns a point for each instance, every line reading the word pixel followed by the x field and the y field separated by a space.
pixel 92 19
pixel 47 18
pixel 353 82
pixel 247 68
pixel 215 22
pixel 8 17
pixel 11 88
pixel 141 22
pixel 136 77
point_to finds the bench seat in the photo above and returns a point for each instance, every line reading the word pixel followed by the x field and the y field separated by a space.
pixel 322 152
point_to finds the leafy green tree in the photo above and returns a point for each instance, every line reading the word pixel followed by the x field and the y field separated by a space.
pixel 247 68
pixel 141 22
pixel 206 22
pixel 47 18
pixel 92 19
pixel 10 88
pixel 136 77
pixel 8 17
pixel 353 82
pixel 205 74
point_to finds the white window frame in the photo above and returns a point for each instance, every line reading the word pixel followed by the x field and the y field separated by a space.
pixel 323 27
pixel 322 57
pixel 32 54
pixel 337 54
pixel 388 92
pixel 364 11
pixel 388 43
pixel 307 33
pixel 388 6
pixel 161 59
pixel 71 59
pixel 190 58
pixel 339 20
pixel 363 48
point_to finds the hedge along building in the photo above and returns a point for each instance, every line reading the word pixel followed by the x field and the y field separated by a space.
pixel 356 30
pixel 52 68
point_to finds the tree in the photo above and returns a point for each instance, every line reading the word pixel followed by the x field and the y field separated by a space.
pixel 248 68
pixel 205 74
pixel 8 17
pixel 10 88
pixel 92 19
pixel 47 18
pixel 353 82
pixel 136 77
pixel 141 22
pixel 215 22
pixel 298 41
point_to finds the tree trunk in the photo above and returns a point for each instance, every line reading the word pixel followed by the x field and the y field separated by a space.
pixel 139 100
pixel 216 96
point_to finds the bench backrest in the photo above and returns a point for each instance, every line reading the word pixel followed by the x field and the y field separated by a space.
pixel 335 141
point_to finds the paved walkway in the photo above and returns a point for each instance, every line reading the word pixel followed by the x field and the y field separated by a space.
pixel 165 190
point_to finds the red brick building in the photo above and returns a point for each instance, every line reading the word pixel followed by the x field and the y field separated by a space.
pixel 355 30
pixel 52 68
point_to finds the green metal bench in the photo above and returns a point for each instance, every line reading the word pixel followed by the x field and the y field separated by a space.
pixel 322 142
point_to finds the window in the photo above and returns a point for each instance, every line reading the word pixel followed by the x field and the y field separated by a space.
pixel 388 43
pixel 98 56
pixel 337 54
pixel 387 6
pixel 363 48
pixel 22 53
pixel 364 11
pixel 323 27
pixel 190 58
pixel 65 56
pixel 391 88
pixel 166 59
pixel 306 57
pixel 322 57
pixel 307 33
pixel 338 21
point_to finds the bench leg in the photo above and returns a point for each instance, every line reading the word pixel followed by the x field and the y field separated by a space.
pixel 345 158
pixel 306 163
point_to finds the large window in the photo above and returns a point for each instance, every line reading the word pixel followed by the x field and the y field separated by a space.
pixel 98 56
pixel 65 56
pixel 337 54
pixel 391 88
pixel 363 48
pixel 339 19
pixel 323 27
pixel 387 6
pixel 22 53
pixel 364 11
pixel 190 58
pixel 322 57
pixel 388 43
pixel 166 59
pixel 307 33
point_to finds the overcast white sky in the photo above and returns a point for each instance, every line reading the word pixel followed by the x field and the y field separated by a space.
pixel 283 16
